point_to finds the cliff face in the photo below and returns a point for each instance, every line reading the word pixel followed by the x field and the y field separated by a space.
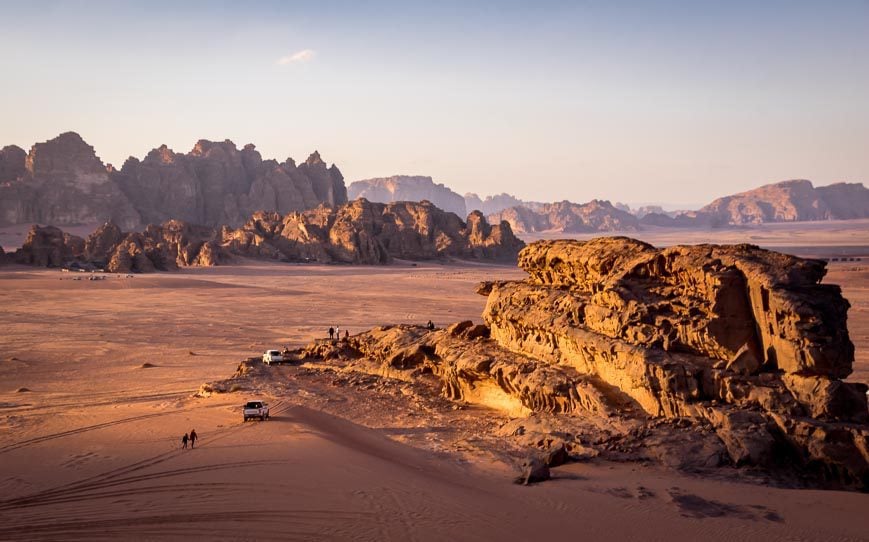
pixel 741 338
pixel 408 188
pixel 691 356
pixel 568 217
pixel 63 182
pixel 359 232
pixel 218 184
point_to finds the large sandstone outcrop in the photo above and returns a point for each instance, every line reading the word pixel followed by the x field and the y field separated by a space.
pixel 408 188
pixel 692 356
pixel 63 182
pixel 359 232
pixel 49 247
pixel 370 233
pixel 218 184
pixel 743 338
pixel 568 217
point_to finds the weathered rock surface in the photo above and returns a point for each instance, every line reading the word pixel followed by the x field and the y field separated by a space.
pixel 63 182
pixel 408 188
pixel 693 356
pixel 359 232
pixel 217 184
pixel 568 217
pixel 49 247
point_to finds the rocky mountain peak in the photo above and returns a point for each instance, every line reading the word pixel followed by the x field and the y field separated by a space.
pixel 315 159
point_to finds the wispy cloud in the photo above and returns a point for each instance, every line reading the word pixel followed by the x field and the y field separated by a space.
pixel 305 55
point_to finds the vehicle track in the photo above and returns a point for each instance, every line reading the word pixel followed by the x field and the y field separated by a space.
pixel 119 476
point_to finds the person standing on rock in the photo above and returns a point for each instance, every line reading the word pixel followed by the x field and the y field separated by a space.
pixel 193 438
pixel 331 333
pixel 337 332
pixel 184 442
pixel 346 335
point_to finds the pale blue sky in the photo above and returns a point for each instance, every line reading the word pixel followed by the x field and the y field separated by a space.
pixel 670 101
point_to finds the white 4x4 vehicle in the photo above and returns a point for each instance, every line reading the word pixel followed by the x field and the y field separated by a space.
pixel 256 409
pixel 272 356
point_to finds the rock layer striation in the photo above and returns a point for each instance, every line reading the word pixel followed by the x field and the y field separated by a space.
pixel 694 356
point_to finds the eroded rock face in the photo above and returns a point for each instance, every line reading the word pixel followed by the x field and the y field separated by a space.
pixel 217 184
pixel 744 338
pixel 47 246
pixel 63 182
pixel 360 232
pixel 692 356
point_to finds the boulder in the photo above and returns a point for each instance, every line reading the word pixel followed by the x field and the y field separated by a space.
pixel 533 470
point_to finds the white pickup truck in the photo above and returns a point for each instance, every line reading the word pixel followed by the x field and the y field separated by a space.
pixel 272 356
pixel 256 409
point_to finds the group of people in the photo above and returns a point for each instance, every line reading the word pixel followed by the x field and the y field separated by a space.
pixel 335 333
pixel 189 438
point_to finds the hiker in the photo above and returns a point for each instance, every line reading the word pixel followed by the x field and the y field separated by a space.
pixel 184 442
pixel 337 333
pixel 346 335
pixel 430 325
pixel 193 437
pixel 331 333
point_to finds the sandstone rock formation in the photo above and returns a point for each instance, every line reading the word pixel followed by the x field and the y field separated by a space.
pixel 359 232
pixel 568 217
pixel 49 247
pixel 63 182
pixel 692 356
pixel 218 184
pixel 408 188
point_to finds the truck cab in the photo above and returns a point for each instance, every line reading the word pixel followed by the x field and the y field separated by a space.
pixel 272 356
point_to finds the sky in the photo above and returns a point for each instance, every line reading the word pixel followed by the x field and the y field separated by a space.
pixel 674 102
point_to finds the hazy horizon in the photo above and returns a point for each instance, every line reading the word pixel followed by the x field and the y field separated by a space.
pixel 633 102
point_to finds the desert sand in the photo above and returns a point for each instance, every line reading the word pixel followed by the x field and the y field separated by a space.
pixel 99 380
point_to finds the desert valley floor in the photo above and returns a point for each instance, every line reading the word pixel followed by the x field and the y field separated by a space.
pixel 99 379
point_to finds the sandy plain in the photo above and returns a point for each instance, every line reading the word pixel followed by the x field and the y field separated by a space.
pixel 89 436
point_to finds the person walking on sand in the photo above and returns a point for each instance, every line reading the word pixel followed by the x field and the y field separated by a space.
pixel 331 333
pixel 184 442
pixel 193 438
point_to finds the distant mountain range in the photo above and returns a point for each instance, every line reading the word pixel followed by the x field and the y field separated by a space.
pixel 786 201
pixel 62 182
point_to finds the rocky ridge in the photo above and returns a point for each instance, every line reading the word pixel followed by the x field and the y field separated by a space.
pixel 691 356
pixel 567 217
pixel 360 232
pixel 63 182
